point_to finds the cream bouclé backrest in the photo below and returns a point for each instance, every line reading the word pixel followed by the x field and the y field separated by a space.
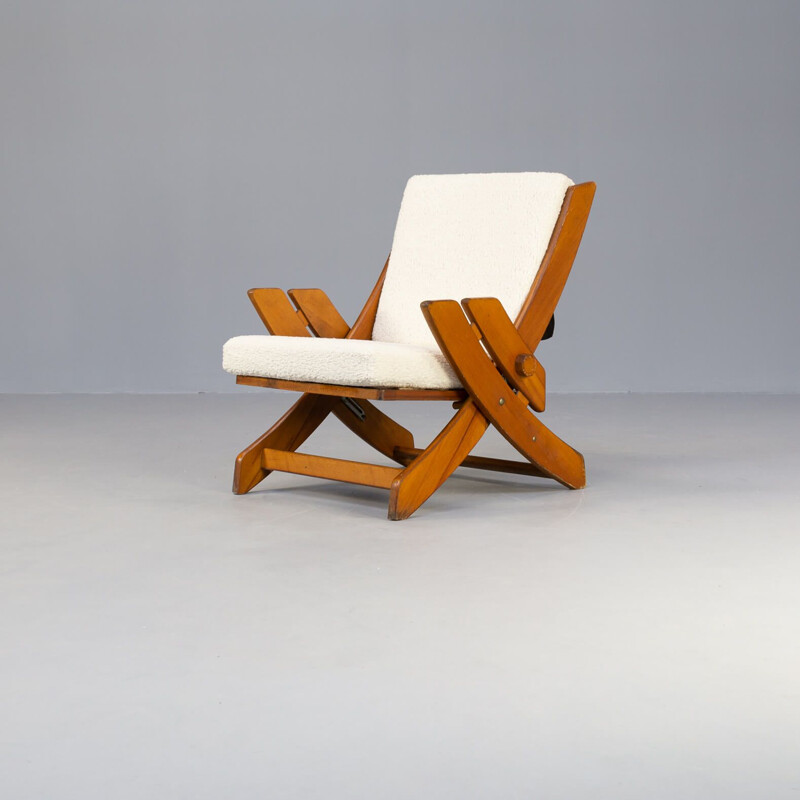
pixel 463 236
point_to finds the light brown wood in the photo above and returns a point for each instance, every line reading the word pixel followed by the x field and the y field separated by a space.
pixel 496 399
pixel 277 313
pixel 539 306
pixel 288 433
pixel 362 327
pixel 373 426
pixel 507 348
pixel 320 313
pixel 422 477
pixel 363 392
pixel 332 468
pixel 405 455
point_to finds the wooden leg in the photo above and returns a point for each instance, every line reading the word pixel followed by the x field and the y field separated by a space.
pixel 505 408
pixel 420 479
pixel 373 426
pixel 288 433
pixel 531 437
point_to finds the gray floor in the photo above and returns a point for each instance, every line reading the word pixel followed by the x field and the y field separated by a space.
pixel 162 638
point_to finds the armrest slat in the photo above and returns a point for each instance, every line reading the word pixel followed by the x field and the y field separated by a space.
pixel 507 348
pixel 277 313
pixel 323 318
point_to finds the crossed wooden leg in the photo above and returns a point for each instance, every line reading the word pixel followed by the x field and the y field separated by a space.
pixel 502 384
pixel 548 456
pixel 499 401
pixel 305 416
pixel 437 462
pixel 492 399
pixel 288 433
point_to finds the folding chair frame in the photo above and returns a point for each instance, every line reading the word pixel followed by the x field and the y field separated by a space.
pixel 492 356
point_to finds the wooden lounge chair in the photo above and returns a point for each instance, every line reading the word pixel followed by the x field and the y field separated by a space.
pixel 506 243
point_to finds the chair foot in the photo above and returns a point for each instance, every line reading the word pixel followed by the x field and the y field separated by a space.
pixel 288 433
pixel 420 479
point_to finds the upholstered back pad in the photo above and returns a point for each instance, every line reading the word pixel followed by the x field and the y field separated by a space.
pixel 463 236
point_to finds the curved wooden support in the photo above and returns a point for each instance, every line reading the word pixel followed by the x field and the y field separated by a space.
pixel 420 479
pixel 540 305
pixel 321 314
pixel 507 411
pixel 288 433
pixel 374 427
pixel 277 313
pixel 365 321
pixel 507 348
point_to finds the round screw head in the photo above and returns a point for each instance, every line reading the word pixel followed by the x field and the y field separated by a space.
pixel 502 401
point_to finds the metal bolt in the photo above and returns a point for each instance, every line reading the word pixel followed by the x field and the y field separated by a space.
pixel 501 401
pixel 533 438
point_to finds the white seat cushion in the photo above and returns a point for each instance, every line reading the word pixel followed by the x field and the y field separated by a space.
pixel 463 236
pixel 347 362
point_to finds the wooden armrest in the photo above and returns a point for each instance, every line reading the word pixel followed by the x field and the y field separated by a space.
pixel 321 313
pixel 314 310
pixel 277 313
pixel 508 349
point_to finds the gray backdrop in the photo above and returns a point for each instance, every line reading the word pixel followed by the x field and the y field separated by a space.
pixel 160 158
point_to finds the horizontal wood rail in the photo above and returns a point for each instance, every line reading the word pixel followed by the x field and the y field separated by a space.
pixel 362 392
pixel 405 455
pixel 336 469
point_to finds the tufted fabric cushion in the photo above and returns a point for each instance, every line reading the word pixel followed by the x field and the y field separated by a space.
pixel 463 236
pixel 350 362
